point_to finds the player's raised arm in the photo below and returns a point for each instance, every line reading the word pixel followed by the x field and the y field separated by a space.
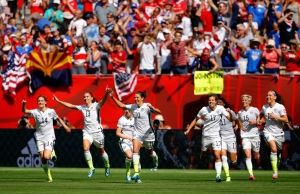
pixel 24 110
pixel 153 110
pixel 68 130
pixel 111 94
pixel 66 104
pixel 101 102
pixel 193 123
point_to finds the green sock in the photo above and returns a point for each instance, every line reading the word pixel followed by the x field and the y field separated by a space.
pixel 225 165
pixel 47 170
pixel 249 166
pixel 136 161
pixel 89 159
pixel 155 159
pixel 105 159
pixel 273 158
pixel 128 165
pixel 53 153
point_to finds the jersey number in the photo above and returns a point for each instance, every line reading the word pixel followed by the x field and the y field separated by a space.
pixel 246 118
pixel 218 143
pixel 213 117
pixel 87 113
pixel 44 120
pixel 223 122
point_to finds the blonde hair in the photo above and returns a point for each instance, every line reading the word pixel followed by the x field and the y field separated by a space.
pixel 246 95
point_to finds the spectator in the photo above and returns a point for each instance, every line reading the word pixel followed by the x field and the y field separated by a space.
pixel 110 23
pixel 167 12
pixel 251 27
pixel 68 17
pixel 292 58
pixel 55 15
pixel 27 26
pixel 224 10
pixel 70 42
pixel 103 40
pixel 253 55
pixel 91 31
pixel 272 58
pixel 69 8
pixel 147 7
pixel 118 57
pixel 179 7
pixel 294 7
pixel 206 18
pixel 187 23
pixel 206 62
pixel 147 50
pixel 24 123
pixel 258 12
pixel 229 56
pixel 274 34
pixel 159 123
pixel 287 27
pixel 78 22
pixel 24 48
pixel 67 122
pixel 242 11
pixel 103 10
pixel 165 53
pixel 180 29
pixel 273 13
pixel 79 57
pixel 56 39
pixel 87 6
pixel 94 58
pixel 54 48
pixel 125 10
pixel 37 7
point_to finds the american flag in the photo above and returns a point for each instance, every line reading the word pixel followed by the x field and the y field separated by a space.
pixel 124 84
pixel 14 73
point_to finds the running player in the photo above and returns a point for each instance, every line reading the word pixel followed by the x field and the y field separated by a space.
pixel 247 118
pixel 211 129
pixel 275 115
pixel 45 135
pixel 143 134
pixel 92 131
pixel 124 131
pixel 228 138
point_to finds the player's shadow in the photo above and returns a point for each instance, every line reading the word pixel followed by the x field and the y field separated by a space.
pixel 191 109
pixel 187 81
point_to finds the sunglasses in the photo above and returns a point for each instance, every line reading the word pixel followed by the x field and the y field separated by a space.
pixel 283 47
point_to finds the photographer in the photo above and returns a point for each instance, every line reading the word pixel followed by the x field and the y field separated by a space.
pixel 229 56
pixel 159 123
pixel 24 123
pixel 287 27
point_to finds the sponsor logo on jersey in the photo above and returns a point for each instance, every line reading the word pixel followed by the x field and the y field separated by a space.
pixel 30 157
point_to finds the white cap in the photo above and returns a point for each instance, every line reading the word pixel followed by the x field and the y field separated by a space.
pixel 56 1
pixel 24 31
pixel 68 15
pixel 179 27
pixel 13 35
pixel 6 48
pixel 271 42
pixel 166 31
pixel 159 117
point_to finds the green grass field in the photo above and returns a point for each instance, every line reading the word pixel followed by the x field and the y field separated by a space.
pixel 74 180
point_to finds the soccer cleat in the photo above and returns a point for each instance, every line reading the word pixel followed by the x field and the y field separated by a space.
pixel 136 177
pixel 107 171
pixel 228 179
pixel 218 179
pixel 275 175
pixel 91 173
pixel 154 169
pixel 49 180
pixel 251 177
pixel 53 156
pixel 128 177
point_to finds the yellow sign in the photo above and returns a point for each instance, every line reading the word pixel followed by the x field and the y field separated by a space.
pixel 208 83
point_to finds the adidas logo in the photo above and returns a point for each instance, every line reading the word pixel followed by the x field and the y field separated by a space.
pixel 30 156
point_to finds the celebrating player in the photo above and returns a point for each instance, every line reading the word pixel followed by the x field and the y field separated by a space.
pixel 143 134
pixel 211 129
pixel 124 131
pixel 228 137
pixel 247 118
pixel 92 131
pixel 275 115
pixel 45 135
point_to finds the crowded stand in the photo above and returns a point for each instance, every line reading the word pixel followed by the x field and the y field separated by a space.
pixel 157 37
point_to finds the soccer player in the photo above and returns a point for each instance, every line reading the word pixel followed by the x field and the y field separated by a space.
pixel 211 129
pixel 45 135
pixel 247 118
pixel 92 131
pixel 143 134
pixel 228 138
pixel 275 115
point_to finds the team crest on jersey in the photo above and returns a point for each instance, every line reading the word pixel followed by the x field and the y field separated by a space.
pixel 251 112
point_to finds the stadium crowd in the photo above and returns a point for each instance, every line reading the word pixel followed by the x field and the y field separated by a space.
pixel 157 37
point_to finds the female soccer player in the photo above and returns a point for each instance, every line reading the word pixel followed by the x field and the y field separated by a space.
pixel 124 131
pixel 228 138
pixel 143 134
pixel 92 131
pixel 275 115
pixel 247 118
pixel 211 129
pixel 45 135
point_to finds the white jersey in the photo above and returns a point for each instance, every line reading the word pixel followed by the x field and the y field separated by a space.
pixel 212 119
pixel 251 129
pixel 44 123
pixel 91 117
pixel 127 125
pixel 226 128
pixel 273 125
pixel 142 119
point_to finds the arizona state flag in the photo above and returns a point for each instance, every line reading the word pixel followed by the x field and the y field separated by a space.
pixel 49 69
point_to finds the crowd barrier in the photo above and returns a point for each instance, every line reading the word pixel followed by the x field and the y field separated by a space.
pixel 174 96
pixel 175 150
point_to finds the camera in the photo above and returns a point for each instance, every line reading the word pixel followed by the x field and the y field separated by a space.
pixel 23 123
pixel 269 46
pixel 156 123
pixel 176 40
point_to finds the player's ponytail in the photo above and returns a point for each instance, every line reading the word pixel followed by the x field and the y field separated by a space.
pixel 142 94
pixel 279 98
pixel 227 105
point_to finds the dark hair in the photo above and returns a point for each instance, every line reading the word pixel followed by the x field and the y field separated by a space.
pixel 94 99
pixel 41 96
pixel 279 98
pixel 227 105
pixel 142 94
pixel 117 42
pixel 213 95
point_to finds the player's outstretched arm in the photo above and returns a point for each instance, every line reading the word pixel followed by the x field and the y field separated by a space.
pixel 66 104
pixel 193 123
pixel 154 110
pixel 120 104
pixel 68 130
pixel 24 110
pixel 101 103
